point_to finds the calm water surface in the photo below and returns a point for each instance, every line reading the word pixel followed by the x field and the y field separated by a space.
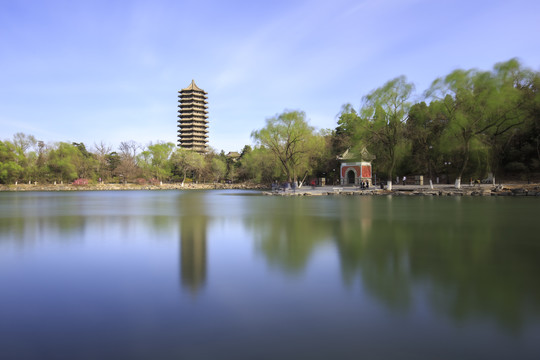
pixel 231 274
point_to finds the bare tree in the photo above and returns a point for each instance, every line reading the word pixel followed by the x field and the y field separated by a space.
pixel 128 168
pixel 24 142
pixel 101 152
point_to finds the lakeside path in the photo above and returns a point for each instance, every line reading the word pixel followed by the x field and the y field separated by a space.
pixel 417 190
pixel 398 190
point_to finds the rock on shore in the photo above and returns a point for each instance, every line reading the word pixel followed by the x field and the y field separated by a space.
pixel 500 190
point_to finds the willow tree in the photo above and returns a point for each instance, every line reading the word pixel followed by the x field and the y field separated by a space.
pixel 425 125
pixel 515 84
pixel 380 123
pixel 155 159
pixel 481 106
pixel 186 161
pixel 258 165
pixel 291 140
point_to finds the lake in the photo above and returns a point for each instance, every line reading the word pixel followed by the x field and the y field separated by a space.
pixel 236 275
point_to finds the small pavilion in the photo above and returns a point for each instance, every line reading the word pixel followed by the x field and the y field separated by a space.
pixel 356 167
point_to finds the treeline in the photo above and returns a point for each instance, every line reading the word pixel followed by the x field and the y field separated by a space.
pixel 25 159
pixel 468 124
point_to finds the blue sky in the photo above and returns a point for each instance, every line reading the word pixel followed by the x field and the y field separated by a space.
pixel 93 71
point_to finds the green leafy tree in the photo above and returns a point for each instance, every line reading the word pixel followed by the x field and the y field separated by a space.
pixel 380 124
pixel 514 108
pixel 62 162
pixel 520 152
pixel 259 165
pixel 37 169
pixel 290 139
pixel 231 172
pixel 219 168
pixel 186 162
pixel 26 146
pixel 237 169
pixel 86 164
pixel 245 150
pixel 424 128
pixel 346 131
pixel 324 160
pixel 112 161
pixel 155 160
pixel 482 108
pixel 10 157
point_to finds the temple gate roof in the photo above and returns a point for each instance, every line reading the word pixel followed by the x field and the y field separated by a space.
pixel 362 155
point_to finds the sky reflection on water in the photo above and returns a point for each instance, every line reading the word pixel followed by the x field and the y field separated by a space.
pixel 205 274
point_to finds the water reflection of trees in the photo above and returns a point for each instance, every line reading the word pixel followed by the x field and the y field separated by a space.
pixel 472 258
pixel 287 231
pixel 24 218
pixel 28 230
pixel 475 259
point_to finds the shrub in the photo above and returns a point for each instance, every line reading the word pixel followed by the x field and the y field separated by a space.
pixel 80 182
pixel 140 181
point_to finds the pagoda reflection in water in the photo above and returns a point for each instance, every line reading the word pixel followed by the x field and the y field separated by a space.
pixel 193 244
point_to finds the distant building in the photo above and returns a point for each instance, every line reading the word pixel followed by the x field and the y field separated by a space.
pixel 193 118
pixel 356 168
pixel 233 155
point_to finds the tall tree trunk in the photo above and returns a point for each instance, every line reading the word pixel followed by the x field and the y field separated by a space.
pixel 465 158
pixel 184 179
pixel 538 146
pixel 392 163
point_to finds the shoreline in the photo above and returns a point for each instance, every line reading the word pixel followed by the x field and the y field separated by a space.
pixel 126 187
pixel 416 190
pixel 397 190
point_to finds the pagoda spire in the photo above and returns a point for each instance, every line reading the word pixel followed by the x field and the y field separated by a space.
pixel 193 86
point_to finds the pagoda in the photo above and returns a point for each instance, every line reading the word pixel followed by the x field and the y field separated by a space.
pixel 193 118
